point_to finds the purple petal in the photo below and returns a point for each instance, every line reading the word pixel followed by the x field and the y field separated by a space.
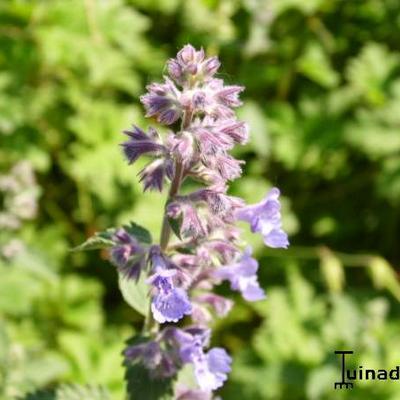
pixel 171 306
pixel 265 218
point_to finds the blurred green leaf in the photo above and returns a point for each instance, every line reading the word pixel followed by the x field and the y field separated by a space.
pixel 332 271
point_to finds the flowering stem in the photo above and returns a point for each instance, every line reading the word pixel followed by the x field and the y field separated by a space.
pixel 175 186
pixel 150 324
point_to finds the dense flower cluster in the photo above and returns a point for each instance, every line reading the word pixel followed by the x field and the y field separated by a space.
pixel 206 251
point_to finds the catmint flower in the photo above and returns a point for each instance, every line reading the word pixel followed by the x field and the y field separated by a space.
pixel 128 255
pixel 219 203
pixel 243 276
pixel 210 368
pixel 226 166
pixel 219 304
pixel 187 217
pixel 182 271
pixel 140 143
pixel 209 136
pixel 227 95
pixel 155 173
pixel 265 218
pixel 159 362
pixel 190 65
pixel 222 99
pixel 184 393
pixel 181 147
pixel 170 303
pixel 225 250
pixel 163 102
pixel 237 130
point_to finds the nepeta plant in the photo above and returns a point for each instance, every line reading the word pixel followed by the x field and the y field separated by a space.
pixel 178 275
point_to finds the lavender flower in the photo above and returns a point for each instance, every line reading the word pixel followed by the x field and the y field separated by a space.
pixel 265 217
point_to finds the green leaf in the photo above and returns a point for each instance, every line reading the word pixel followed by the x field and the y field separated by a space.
pixel 141 234
pixel 141 386
pixel 135 293
pixel 100 240
pixel 104 240
pixel 40 395
pixel 384 276
pixel 332 271
pixel 175 223
pixel 77 392
pixel 259 133
pixel 315 65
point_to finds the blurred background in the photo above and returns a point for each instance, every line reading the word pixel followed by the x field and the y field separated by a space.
pixel 322 99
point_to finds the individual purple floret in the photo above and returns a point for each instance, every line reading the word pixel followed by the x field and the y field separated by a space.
pixel 159 362
pixel 140 143
pixel 128 255
pixel 265 218
pixel 210 368
pixel 190 63
pixel 155 173
pixel 184 393
pixel 163 102
pixel 170 303
pixel 243 276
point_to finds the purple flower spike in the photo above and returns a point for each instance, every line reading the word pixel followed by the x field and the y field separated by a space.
pixel 140 143
pixel 170 303
pixel 162 101
pixel 243 277
pixel 194 158
pixel 265 217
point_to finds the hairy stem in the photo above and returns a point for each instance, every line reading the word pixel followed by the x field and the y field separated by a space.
pixel 174 189
pixel 175 185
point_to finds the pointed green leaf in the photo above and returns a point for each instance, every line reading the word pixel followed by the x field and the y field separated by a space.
pixel 40 395
pixel 141 386
pixel 100 240
pixel 136 294
pixel 141 234
pixel 175 224
pixel 80 392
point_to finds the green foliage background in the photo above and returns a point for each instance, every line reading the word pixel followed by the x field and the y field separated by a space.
pixel 323 103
